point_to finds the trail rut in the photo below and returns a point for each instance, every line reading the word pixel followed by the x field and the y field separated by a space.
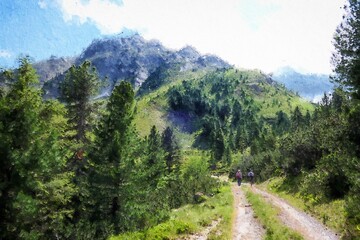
pixel 307 226
pixel 246 227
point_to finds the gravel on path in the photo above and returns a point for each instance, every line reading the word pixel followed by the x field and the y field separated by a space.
pixel 246 227
pixel 306 225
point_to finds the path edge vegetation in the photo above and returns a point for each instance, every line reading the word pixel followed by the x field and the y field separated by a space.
pixel 331 213
pixel 193 218
pixel 267 215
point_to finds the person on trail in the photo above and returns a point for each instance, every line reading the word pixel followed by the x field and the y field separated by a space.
pixel 238 176
pixel 251 176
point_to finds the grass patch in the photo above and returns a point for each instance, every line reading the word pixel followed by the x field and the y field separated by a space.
pixel 330 213
pixel 278 98
pixel 150 112
pixel 152 108
pixel 190 219
pixel 267 215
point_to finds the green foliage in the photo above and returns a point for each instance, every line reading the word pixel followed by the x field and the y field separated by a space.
pixel 154 162
pixel 346 61
pixel 155 80
pixel 171 148
pixel 80 84
pixel 346 58
pixel 246 123
pixel 55 187
pixel 297 119
pixel 282 123
pixel 32 162
pixel 300 150
pixel 227 113
pixel 195 177
pixel 153 182
pixel 190 219
pixel 111 161
pixel 329 212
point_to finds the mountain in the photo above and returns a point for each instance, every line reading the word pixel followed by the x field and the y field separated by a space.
pixel 49 69
pixel 130 58
pixel 309 86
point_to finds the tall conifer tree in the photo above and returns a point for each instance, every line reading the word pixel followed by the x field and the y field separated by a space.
pixel 35 189
pixel 112 162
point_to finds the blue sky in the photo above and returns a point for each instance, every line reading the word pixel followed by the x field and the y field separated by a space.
pixel 263 34
pixel 27 29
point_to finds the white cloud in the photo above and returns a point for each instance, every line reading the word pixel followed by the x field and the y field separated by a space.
pixel 42 4
pixel 296 32
pixel 107 15
pixel 5 54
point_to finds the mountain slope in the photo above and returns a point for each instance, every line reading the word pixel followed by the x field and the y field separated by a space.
pixel 309 86
pixel 199 102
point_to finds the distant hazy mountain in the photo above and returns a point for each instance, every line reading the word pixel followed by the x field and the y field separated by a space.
pixel 130 58
pixel 309 86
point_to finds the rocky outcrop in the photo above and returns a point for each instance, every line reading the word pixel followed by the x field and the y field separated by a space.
pixel 49 69
pixel 130 58
pixel 133 58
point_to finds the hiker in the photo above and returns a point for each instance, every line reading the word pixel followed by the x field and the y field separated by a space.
pixel 251 176
pixel 238 177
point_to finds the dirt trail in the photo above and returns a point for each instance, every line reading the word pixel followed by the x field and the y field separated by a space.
pixel 301 222
pixel 246 227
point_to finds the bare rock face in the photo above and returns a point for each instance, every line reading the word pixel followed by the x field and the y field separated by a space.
pixel 49 69
pixel 131 59
pixel 189 53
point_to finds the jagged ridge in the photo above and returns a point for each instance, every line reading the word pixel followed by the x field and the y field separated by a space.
pixel 133 59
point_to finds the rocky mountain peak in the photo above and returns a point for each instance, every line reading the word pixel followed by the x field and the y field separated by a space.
pixel 134 59
pixel 189 52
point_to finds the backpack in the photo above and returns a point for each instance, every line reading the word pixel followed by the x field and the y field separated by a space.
pixel 251 174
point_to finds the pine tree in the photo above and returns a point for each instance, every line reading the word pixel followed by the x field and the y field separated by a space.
pixel 81 83
pixel 218 145
pixel 79 86
pixel 18 123
pixel 297 119
pixel 346 59
pixel 307 118
pixel 282 123
pixel 154 159
pixel 171 149
pixel 236 113
pixel 155 179
pixel 35 189
pixel 112 163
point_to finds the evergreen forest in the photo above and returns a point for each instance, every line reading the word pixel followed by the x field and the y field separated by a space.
pixel 81 166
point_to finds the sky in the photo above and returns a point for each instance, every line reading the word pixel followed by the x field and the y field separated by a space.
pixel 252 34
